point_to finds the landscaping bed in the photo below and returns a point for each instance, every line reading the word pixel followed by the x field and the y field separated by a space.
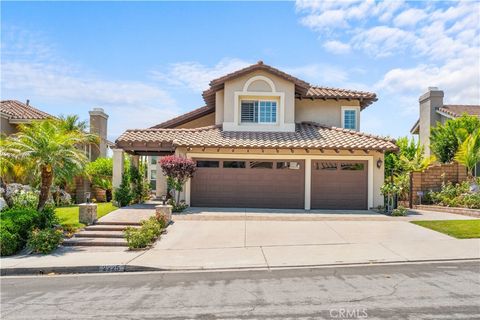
pixel 460 229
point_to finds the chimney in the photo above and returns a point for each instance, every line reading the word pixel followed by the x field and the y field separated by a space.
pixel 98 125
pixel 429 104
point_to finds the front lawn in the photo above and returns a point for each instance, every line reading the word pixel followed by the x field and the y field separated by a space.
pixel 68 216
pixel 461 229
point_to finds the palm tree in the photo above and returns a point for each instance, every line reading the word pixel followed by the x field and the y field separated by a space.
pixel 50 148
pixel 468 154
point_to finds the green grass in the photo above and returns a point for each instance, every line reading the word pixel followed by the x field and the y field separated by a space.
pixel 68 216
pixel 461 229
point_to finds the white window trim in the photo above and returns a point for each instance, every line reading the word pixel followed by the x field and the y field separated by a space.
pixel 357 117
pixel 258 113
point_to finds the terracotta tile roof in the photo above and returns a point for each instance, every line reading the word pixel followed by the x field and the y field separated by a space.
pixel 184 118
pixel 306 136
pixel 325 92
pixel 302 89
pixel 458 110
pixel 259 66
pixel 15 110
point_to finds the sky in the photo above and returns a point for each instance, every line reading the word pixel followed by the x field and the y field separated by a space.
pixel 146 62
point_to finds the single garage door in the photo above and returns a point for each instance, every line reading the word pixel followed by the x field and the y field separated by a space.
pixel 248 183
pixel 339 185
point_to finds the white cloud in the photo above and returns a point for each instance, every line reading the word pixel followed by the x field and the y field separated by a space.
pixel 195 75
pixel 31 69
pixel 459 78
pixel 382 41
pixel 409 18
pixel 337 47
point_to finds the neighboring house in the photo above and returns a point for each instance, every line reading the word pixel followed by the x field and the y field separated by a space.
pixel 13 113
pixel 266 139
pixel 433 111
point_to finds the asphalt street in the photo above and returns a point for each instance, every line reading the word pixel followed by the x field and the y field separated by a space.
pixel 408 291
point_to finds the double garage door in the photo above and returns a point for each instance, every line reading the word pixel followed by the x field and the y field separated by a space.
pixel 278 184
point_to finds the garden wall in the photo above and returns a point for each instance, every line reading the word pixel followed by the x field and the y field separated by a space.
pixel 432 178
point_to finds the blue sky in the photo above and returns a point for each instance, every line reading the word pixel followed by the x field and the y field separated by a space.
pixel 145 62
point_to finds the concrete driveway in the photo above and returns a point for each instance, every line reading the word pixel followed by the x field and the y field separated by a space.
pixel 262 242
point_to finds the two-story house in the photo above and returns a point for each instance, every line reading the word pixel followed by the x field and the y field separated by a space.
pixel 266 139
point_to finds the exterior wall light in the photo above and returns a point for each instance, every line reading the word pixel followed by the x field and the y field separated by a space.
pixel 164 199
pixel 379 163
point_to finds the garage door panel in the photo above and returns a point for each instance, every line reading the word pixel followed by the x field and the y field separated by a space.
pixel 248 187
pixel 334 188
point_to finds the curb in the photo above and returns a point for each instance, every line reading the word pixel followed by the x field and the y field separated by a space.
pixel 110 269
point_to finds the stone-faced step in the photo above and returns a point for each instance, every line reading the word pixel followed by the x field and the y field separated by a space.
pixel 99 234
pixel 97 227
pixel 117 223
pixel 104 242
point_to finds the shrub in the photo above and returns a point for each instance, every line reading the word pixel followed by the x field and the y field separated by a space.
pixel 44 241
pixel 138 238
pixel 177 207
pixel 123 194
pixel 140 185
pixel 9 242
pixel 458 195
pixel 25 199
pixel 17 223
pixel 400 211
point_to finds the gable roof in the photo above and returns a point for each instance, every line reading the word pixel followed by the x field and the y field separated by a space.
pixel 458 109
pixel 302 89
pixel 184 118
pixel 306 136
pixel 16 110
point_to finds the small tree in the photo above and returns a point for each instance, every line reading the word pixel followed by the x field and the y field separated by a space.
pixel 468 153
pixel 178 170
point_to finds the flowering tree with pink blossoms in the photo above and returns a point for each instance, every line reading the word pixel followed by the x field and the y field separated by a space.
pixel 178 170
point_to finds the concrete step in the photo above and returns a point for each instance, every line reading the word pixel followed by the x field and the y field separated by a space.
pixel 104 242
pixel 99 234
pixel 97 227
pixel 117 223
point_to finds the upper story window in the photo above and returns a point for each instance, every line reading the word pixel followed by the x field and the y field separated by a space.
pixel 258 111
pixel 350 119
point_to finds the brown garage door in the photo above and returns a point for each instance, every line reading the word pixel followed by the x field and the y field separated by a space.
pixel 339 185
pixel 248 183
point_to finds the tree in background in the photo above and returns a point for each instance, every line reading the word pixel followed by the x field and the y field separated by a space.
pixel 446 138
pixel 140 185
pixel 51 150
pixel 178 170
pixel 100 174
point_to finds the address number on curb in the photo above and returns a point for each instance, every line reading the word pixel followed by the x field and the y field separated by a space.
pixel 112 268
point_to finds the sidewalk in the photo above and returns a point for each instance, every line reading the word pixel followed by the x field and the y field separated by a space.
pixel 264 242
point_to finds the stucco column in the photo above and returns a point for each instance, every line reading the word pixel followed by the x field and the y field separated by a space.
pixel 308 183
pixel 117 168
pixel 161 183
pixel 135 161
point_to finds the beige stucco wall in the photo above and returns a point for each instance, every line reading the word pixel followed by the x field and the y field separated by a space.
pixel 326 112
pixel 219 105
pixel 204 121
pixel 7 128
pixel 281 86
pixel 377 178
